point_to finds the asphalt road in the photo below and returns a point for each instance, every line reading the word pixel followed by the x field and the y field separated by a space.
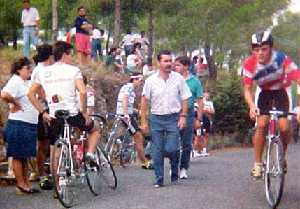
pixel 220 181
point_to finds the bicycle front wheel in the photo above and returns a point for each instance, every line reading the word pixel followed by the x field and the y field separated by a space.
pixel 274 172
pixel 101 174
pixel 61 172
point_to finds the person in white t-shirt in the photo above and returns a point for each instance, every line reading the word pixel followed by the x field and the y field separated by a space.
pixel 31 21
pixel 21 128
pixel 96 37
pixel 60 82
pixel 127 43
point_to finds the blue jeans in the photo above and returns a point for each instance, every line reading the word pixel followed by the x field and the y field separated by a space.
pixel 186 136
pixel 165 143
pixel 29 37
pixel 96 49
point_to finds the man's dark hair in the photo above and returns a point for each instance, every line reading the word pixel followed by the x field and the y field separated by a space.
pixel 19 64
pixel 59 48
pixel 85 80
pixel 26 1
pixel 102 31
pixel 184 60
pixel 79 8
pixel 44 51
pixel 163 52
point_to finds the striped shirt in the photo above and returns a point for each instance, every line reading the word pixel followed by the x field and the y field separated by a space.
pixel 276 75
pixel 126 90
pixel 165 96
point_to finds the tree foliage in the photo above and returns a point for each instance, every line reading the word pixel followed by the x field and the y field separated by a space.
pixel 231 110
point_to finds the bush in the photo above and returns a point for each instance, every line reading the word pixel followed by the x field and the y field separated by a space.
pixel 231 110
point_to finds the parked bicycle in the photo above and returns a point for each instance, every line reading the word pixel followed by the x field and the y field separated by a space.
pixel 69 165
pixel 120 145
pixel 274 160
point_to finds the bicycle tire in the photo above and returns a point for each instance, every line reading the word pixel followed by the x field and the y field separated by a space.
pixel 62 175
pixel 274 173
pixel 124 159
pixel 104 173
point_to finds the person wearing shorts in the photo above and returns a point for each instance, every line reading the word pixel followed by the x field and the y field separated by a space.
pixel 82 37
pixel 125 108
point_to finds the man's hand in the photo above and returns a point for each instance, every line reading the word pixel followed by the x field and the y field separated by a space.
pixel 47 118
pixel 15 107
pixel 181 122
pixel 254 112
pixel 87 118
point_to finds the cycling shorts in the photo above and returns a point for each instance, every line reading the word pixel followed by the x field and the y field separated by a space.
pixel 57 126
pixel 268 99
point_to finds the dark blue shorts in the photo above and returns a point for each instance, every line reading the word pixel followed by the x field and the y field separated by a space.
pixel 21 139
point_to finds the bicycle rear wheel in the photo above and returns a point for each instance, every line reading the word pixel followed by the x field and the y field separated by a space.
pixel 274 172
pixel 61 174
pixel 101 174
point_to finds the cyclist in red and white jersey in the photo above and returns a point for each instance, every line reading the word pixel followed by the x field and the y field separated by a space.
pixel 272 71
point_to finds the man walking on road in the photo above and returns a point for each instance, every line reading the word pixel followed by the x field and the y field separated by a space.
pixel 167 95
pixel 186 134
pixel 30 20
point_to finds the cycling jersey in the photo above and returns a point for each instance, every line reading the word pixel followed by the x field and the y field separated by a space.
pixel 275 75
pixel 126 90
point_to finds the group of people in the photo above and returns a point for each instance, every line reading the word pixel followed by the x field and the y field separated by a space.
pixel 34 95
pixel 169 93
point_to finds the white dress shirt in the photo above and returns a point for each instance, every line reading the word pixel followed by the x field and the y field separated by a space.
pixel 30 16
pixel 166 96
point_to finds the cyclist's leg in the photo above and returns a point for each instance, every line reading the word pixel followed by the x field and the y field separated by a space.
pixel 139 146
pixel 259 137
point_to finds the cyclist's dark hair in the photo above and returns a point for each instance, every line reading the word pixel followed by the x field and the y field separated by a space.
pixel 44 51
pixel 26 1
pixel 18 64
pixel 35 59
pixel 163 52
pixel 59 48
pixel 184 60
pixel 102 31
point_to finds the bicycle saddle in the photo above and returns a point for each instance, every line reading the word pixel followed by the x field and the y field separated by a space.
pixel 64 114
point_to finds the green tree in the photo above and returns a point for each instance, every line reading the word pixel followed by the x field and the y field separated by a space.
pixel 286 35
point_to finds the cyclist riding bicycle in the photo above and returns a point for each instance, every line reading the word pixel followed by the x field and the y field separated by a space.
pixel 60 82
pixel 272 71
pixel 125 108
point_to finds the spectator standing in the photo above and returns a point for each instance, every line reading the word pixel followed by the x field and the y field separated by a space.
pixel 186 134
pixel 148 68
pixel 44 58
pixel 208 112
pixel 127 43
pixel 96 43
pixel 167 95
pixel 82 37
pixel 31 21
pixel 21 127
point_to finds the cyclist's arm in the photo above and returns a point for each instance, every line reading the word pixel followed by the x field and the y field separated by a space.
pixel 125 104
pixel 82 95
pixel 249 96
pixel 33 91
